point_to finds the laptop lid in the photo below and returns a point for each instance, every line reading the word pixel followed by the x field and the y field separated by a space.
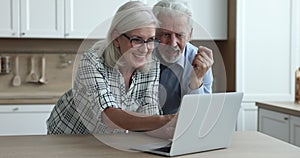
pixel 205 122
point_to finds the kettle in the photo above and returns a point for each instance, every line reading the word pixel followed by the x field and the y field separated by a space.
pixel 297 86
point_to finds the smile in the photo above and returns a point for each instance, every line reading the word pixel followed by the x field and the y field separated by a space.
pixel 140 55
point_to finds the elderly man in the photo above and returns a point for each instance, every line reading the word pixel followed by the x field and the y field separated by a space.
pixel 185 69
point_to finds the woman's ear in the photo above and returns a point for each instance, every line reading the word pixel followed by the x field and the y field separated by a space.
pixel 114 36
pixel 116 42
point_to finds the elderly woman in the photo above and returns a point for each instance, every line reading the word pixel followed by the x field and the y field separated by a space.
pixel 116 83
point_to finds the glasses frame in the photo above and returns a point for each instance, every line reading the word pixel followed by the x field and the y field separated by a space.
pixel 155 42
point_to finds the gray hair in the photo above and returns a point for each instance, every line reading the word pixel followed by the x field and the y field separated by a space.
pixel 132 15
pixel 173 8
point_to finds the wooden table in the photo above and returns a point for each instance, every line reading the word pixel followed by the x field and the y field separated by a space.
pixel 245 145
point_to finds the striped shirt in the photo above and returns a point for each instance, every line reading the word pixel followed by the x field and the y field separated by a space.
pixel 97 87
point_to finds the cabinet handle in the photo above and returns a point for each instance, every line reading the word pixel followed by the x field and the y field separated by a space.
pixel 15 109
pixel 23 33
pixel 13 34
pixel 286 118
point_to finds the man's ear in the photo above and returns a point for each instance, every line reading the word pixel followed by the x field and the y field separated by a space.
pixel 190 34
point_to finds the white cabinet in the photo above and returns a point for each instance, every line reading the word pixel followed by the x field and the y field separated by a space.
pixel 42 18
pixel 24 119
pixel 82 19
pixel 274 124
pixel 9 18
pixel 89 18
pixel 32 18
pixel 280 125
pixel 295 130
pixel 210 18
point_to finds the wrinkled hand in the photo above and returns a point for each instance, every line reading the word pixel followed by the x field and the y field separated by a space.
pixel 166 131
pixel 202 62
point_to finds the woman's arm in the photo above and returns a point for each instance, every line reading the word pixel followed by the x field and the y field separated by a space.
pixel 117 118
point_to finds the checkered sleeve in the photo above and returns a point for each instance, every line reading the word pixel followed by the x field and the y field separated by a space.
pixel 91 84
pixel 91 92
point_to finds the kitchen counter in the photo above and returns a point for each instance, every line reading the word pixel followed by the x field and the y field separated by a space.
pixel 28 101
pixel 245 145
pixel 291 108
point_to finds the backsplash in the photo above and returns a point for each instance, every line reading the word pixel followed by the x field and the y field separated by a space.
pixel 53 81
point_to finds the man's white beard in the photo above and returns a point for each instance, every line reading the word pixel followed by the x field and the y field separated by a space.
pixel 171 59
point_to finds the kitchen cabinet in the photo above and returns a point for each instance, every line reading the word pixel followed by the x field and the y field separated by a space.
pixel 32 18
pixel 274 124
pixel 295 130
pixel 9 18
pixel 90 19
pixel 210 18
pixel 280 120
pixel 80 19
pixel 24 119
pixel 267 49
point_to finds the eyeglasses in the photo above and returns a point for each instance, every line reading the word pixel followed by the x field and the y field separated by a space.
pixel 138 42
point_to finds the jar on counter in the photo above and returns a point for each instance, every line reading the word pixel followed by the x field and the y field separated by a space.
pixel 0 64
pixel 5 64
pixel 297 86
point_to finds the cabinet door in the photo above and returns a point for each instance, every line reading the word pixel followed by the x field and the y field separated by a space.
pixel 89 18
pixel 295 130
pixel 9 18
pixel 42 18
pixel 210 18
pixel 274 124
pixel 24 119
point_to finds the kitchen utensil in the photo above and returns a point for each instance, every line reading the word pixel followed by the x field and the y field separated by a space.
pixel 32 76
pixel 16 79
pixel 5 64
pixel 65 61
pixel 43 77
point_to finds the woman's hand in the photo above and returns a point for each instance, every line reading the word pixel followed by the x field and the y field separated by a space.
pixel 166 131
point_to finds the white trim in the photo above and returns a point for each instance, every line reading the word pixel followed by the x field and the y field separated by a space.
pixel 240 45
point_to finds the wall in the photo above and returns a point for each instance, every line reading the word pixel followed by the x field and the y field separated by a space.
pixel 227 50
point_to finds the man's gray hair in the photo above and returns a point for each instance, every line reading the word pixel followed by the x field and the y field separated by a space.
pixel 173 7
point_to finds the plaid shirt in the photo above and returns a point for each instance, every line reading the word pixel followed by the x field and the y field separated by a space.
pixel 97 87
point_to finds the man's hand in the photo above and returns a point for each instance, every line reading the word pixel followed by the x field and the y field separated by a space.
pixel 201 63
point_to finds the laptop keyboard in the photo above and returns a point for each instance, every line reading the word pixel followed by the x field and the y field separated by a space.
pixel 165 149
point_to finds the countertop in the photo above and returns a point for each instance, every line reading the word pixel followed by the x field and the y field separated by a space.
pixel 244 145
pixel 31 101
pixel 291 108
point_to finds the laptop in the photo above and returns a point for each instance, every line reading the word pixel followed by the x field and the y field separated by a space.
pixel 205 122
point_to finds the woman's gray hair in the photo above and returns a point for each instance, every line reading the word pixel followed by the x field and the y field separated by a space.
pixel 132 15
pixel 173 8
